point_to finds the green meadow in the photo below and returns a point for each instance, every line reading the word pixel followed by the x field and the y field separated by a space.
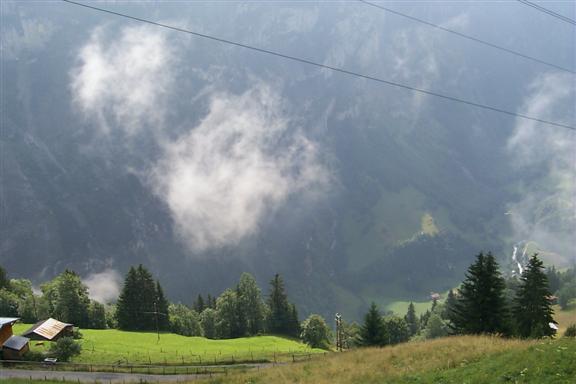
pixel 111 346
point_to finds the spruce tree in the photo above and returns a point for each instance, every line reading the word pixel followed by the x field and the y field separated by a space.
pixel 411 320
pixel 137 305
pixel 162 306
pixel 199 305
pixel 481 308
pixel 372 328
pixel 533 311
pixel 279 317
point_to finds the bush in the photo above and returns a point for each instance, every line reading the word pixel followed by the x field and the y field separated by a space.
pixel 315 332
pixel 570 331
pixel 65 348
pixel 33 356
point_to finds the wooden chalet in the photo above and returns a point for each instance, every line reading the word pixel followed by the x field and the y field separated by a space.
pixel 49 330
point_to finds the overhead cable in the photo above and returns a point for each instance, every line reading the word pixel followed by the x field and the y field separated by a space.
pixel 324 66
pixel 465 36
pixel 548 11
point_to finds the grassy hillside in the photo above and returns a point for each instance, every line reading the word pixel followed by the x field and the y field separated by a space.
pixel 112 346
pixel 464 359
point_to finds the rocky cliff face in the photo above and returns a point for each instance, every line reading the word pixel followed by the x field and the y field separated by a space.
pixel 124 144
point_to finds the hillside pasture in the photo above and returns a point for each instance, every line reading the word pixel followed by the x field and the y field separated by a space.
pixel 111 346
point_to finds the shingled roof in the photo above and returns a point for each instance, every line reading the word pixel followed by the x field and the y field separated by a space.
pixel 49 329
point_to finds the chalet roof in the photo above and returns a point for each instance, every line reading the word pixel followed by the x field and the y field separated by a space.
pixel 8 320
pixel 48 329
pixel 16 342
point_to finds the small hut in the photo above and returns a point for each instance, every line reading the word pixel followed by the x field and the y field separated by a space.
pixel 49 330
pixel 15 347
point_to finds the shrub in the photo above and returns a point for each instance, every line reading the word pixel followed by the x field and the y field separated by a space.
pixel 570 331
pixel 33 356
pixel 65 348
pixel 315 332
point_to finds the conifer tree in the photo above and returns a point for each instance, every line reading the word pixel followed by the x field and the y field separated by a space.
pixel 137 305
pixel 279 317
pixel 533 311
pixel 199 305
pixel 481 307
pixel 372 328
pixel 411 320
pixel 162 306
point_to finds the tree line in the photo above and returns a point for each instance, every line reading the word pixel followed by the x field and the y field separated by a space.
pixel 485 303
pixel 142 306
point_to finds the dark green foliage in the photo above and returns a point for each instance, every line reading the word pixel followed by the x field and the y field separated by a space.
pixel 199 305
pixel 227 321
pixel 436 327
pixel 315 332
pixel 138 307
pixel 412 320
pixel 566 294
pixel 97 315
pixel 184 321
pixel 481 307
pixel 449 306
pixel 8 303
pixel 33 356
pixel 250 305
pixel 570 331
pixel 283 317
pixel 553 277
pixel 4 281
pixel 65 348
pixel 208 323
pixel 371 330
pixel 27 301
pixel 394 330
pixel 162 308
pixel 66 299
pixel 532 306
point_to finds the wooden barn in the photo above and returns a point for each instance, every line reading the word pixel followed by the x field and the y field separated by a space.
pixel 13 347
pixel 49 330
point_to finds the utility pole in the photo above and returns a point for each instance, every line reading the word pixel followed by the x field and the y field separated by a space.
pixel 157 324
pixel 339 340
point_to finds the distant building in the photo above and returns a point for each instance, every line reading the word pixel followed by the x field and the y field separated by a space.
pixel 13 347
pixel 49 330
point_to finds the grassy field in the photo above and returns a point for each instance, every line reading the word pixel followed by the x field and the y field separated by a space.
pixel 565 318
pixel 463 359
pixel 112 347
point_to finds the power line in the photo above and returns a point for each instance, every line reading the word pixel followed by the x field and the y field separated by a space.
pixel 460 34
pixel 548 11
pixel 325 66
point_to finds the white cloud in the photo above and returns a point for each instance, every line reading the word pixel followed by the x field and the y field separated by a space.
pixel 547 211
pixel 104 286
pixel 122 83
pixel 240 163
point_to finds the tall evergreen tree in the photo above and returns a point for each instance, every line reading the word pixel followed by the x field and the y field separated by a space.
pixel 449 307
pixel 280 311
pixel 371 331
pixel 199 305
pixel 162 306
pixel 533 311
pixel 481 307
pixel 136 307
pixel 4 281
pixel 412 320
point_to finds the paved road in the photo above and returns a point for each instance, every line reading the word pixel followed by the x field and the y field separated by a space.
pixel 92 377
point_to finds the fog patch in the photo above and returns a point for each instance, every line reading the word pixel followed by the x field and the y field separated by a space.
pixel 122 83
pixel 105 286
pixel 546 213
pixel 239 164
